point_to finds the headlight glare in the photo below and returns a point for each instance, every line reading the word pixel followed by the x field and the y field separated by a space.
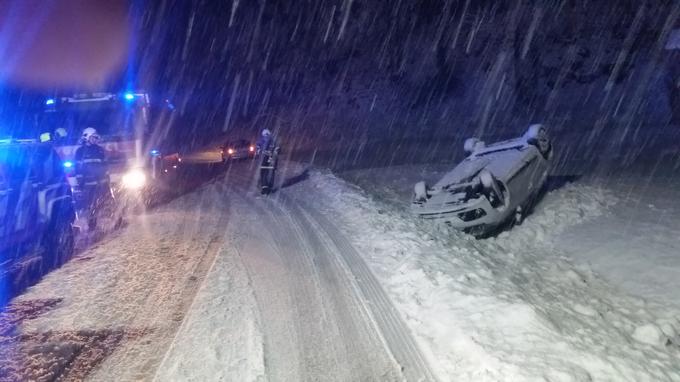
pixel 134 179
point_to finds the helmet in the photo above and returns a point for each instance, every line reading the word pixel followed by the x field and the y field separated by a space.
pixel 90 136
pixel 266 133
pixel 60 132
pixel 45 137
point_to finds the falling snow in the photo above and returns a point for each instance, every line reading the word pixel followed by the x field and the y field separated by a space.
pixel 331 277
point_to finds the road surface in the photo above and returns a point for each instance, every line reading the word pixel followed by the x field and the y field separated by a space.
pixel 220 283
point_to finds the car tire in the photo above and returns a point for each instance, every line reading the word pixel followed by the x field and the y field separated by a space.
pixel 487 179
pixel 420 192
pixel 60 240
pixel 471 144
pixel 490 184
pixel 537 135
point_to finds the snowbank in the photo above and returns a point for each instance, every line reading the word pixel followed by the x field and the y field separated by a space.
pixel 569 206
pixel 636 244
pixel 505 309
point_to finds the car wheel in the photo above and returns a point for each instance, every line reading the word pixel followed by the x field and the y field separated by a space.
pixel 60 241
pixel 420 192
pixel 537 135
pixel 493 190
pixel 472 144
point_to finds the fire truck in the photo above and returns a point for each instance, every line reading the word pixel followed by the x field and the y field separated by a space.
pixel 135 162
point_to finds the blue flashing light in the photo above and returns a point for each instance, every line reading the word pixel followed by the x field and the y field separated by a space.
pixel 155 152
pixel 67 164
pixel 129 96
pixel 49 101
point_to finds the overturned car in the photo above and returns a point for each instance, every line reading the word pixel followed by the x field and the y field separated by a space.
pixel 494 185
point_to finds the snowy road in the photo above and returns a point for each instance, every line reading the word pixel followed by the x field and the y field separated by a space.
pixel 221 284
pixel 126 294
pixel 321 313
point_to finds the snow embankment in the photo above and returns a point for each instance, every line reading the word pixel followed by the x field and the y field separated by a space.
pixel 559 210
pixel 636 245
pixel 508 308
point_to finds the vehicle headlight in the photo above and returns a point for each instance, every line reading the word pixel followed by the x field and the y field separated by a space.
pixel 134 179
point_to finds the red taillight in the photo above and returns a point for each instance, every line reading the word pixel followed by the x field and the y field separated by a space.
pixel 230 151
pixel 251 148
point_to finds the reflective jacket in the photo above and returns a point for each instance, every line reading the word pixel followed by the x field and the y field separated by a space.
pixel 91 166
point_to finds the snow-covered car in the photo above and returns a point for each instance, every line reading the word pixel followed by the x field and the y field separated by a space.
pixel 495 184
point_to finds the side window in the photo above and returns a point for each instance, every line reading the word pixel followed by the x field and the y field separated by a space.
pixel 16 161
pixel 57 167
pixel 36 162
pixel 47 166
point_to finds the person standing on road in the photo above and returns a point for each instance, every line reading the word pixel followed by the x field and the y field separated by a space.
pixel 268 149
pixel 92 173
pixel 90 158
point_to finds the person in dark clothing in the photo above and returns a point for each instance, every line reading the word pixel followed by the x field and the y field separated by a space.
pixel 268 149
pixel 92 174
pixel 90 159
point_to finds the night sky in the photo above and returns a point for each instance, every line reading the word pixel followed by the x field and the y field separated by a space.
pixel 361 71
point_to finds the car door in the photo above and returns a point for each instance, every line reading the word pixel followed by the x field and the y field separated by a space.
pixel 536 172
pixel 24 186
pixel 521 182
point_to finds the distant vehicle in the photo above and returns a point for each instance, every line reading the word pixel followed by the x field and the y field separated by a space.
pixel 493 185
pixel 36 209
pixel 238 149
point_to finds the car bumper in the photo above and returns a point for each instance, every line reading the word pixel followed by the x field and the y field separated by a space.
pixel 238 155
pixel 473 213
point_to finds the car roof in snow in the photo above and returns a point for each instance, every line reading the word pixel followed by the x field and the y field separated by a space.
pixel 511 144
pixel 501 159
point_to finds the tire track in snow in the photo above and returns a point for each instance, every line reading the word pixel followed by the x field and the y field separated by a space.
pixel 396 334
pixel 260 252
pixel 318 255
pixel 333 336
pixel 352 322
pixel 225 308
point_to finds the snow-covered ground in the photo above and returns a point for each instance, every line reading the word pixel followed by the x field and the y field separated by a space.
pixel 327 281
pixel 624 225
pixel 127 293
pixel 532 303
pixel 221 284
pixel 286 301
pixel 636 245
